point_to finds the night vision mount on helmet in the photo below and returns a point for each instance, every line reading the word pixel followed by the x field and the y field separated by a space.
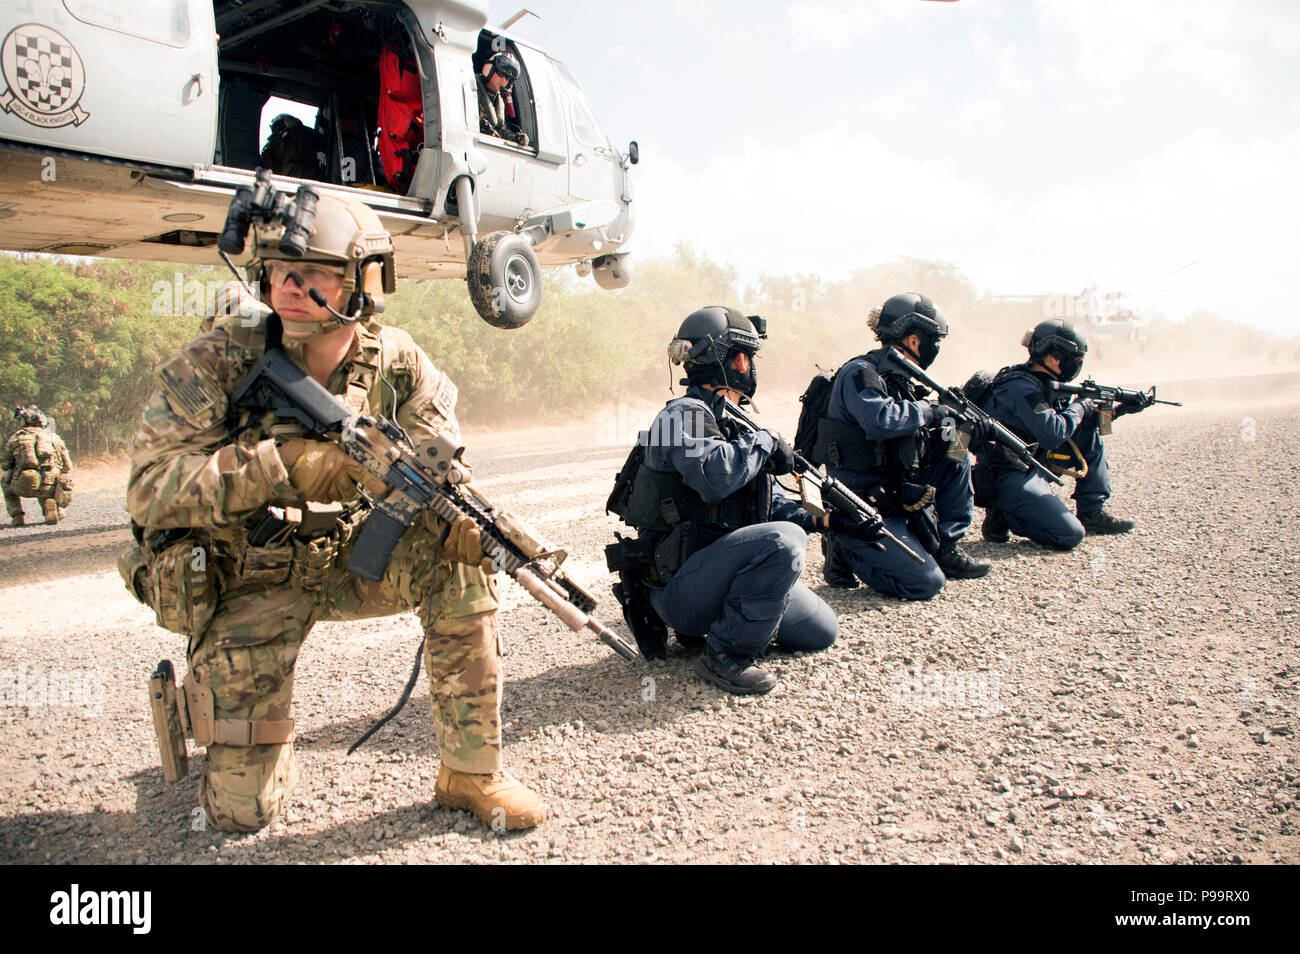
pixel 708 340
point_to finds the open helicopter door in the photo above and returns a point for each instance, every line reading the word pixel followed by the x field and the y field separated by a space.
pixel 134 80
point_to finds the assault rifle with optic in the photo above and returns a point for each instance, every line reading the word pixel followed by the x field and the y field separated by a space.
pixel 827 491
pixel 1115 401
pixel 1129 402
pixel 434 478
pixel 967 410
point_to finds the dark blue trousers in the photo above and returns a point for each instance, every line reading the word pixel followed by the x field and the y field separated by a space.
pixel 742 592
pixel 1033 511
pixel 891 572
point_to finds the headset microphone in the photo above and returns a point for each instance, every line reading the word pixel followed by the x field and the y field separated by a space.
pixel 315 295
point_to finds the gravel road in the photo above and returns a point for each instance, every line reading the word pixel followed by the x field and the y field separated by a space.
pixel 1132 701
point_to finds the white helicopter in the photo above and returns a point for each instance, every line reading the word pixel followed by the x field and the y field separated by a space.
pixel 126 127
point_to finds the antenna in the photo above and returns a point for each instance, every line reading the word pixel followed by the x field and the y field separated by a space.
pixel 517 17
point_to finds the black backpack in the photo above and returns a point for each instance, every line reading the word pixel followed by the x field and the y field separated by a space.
pixel 816 399
pixel 978 388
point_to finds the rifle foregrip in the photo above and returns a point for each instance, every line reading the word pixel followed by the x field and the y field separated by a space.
pixel 375 544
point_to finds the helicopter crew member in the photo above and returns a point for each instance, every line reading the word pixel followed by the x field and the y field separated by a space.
pixel 210 479
pixel 1023 502
pixel 495 114
pixel 882 438
pixel 728 546
pixel 35 463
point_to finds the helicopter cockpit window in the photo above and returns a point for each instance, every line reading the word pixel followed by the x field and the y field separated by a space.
pixel 352 66
pixel 137 18
pixel 517 123
pixel 585 126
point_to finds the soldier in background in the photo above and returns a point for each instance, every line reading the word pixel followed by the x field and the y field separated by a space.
pixel 1022 502
pixel 35 463
pixel 244 527
pixel 881 436
pixel 722 546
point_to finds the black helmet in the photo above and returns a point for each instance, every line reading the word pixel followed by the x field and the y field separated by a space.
pixel 506 65
pixel 1054 336
pixel 707 341
pixel 910 314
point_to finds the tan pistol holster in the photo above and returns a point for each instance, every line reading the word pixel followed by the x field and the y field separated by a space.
pixel 168 722
pixel 206 729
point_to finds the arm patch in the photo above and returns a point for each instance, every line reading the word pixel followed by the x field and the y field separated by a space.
pixel 444 402
pixel 865 376
pixel 191 393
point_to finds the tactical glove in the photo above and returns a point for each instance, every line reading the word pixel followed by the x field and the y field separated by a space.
pixel 1088 406
pixel 781 459
pixel 868 529
pixel 323 472
pixel 464 544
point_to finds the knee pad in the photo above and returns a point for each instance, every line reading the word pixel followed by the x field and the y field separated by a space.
pixel 244 788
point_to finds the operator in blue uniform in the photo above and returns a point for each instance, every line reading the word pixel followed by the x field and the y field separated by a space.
pixel 722 546
pixel 883 438
pixel 1023 503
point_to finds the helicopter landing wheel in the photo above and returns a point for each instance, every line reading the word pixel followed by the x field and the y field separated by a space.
pixel 505 280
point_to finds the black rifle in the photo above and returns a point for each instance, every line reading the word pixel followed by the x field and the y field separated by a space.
pixel 965 409
pixel 1129 402
pixel 433 479
pixel 830 492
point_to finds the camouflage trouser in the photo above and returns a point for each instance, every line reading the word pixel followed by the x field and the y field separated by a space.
pixel 246 656
pixel 60 492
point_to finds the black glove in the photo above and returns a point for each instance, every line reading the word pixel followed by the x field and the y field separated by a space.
pixel 781 460
pixel 1089 408
pixel 1141 403
pixel 868 529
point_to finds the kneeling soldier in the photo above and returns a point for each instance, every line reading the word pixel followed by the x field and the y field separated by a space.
pixel 1066 433
pixel 721 546
pixel 882 438
pixel 245 528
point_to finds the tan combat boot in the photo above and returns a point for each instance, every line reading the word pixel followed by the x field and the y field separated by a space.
pixel 51 510
pixel 497 799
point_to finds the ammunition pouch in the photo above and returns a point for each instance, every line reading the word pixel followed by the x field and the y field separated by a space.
pixel 658 501
pixel 675 549
pixel 25 483
pixel 176 577
pixel 207 730
pixel 304 547
pixel 63 490
pixel 844 446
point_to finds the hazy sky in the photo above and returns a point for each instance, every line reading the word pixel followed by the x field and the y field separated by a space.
pixel 1149 146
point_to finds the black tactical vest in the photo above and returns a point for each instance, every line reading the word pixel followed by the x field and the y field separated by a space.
pixel 845 446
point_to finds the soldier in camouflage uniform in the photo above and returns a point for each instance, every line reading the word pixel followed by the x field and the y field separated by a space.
pixel 499 73
pixel 35 463
pixel 203 476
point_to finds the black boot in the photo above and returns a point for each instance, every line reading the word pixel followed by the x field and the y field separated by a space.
pixel 957 565
pixel 742 678
pixel 1100 523
pixel 835 568
pixel 995 527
